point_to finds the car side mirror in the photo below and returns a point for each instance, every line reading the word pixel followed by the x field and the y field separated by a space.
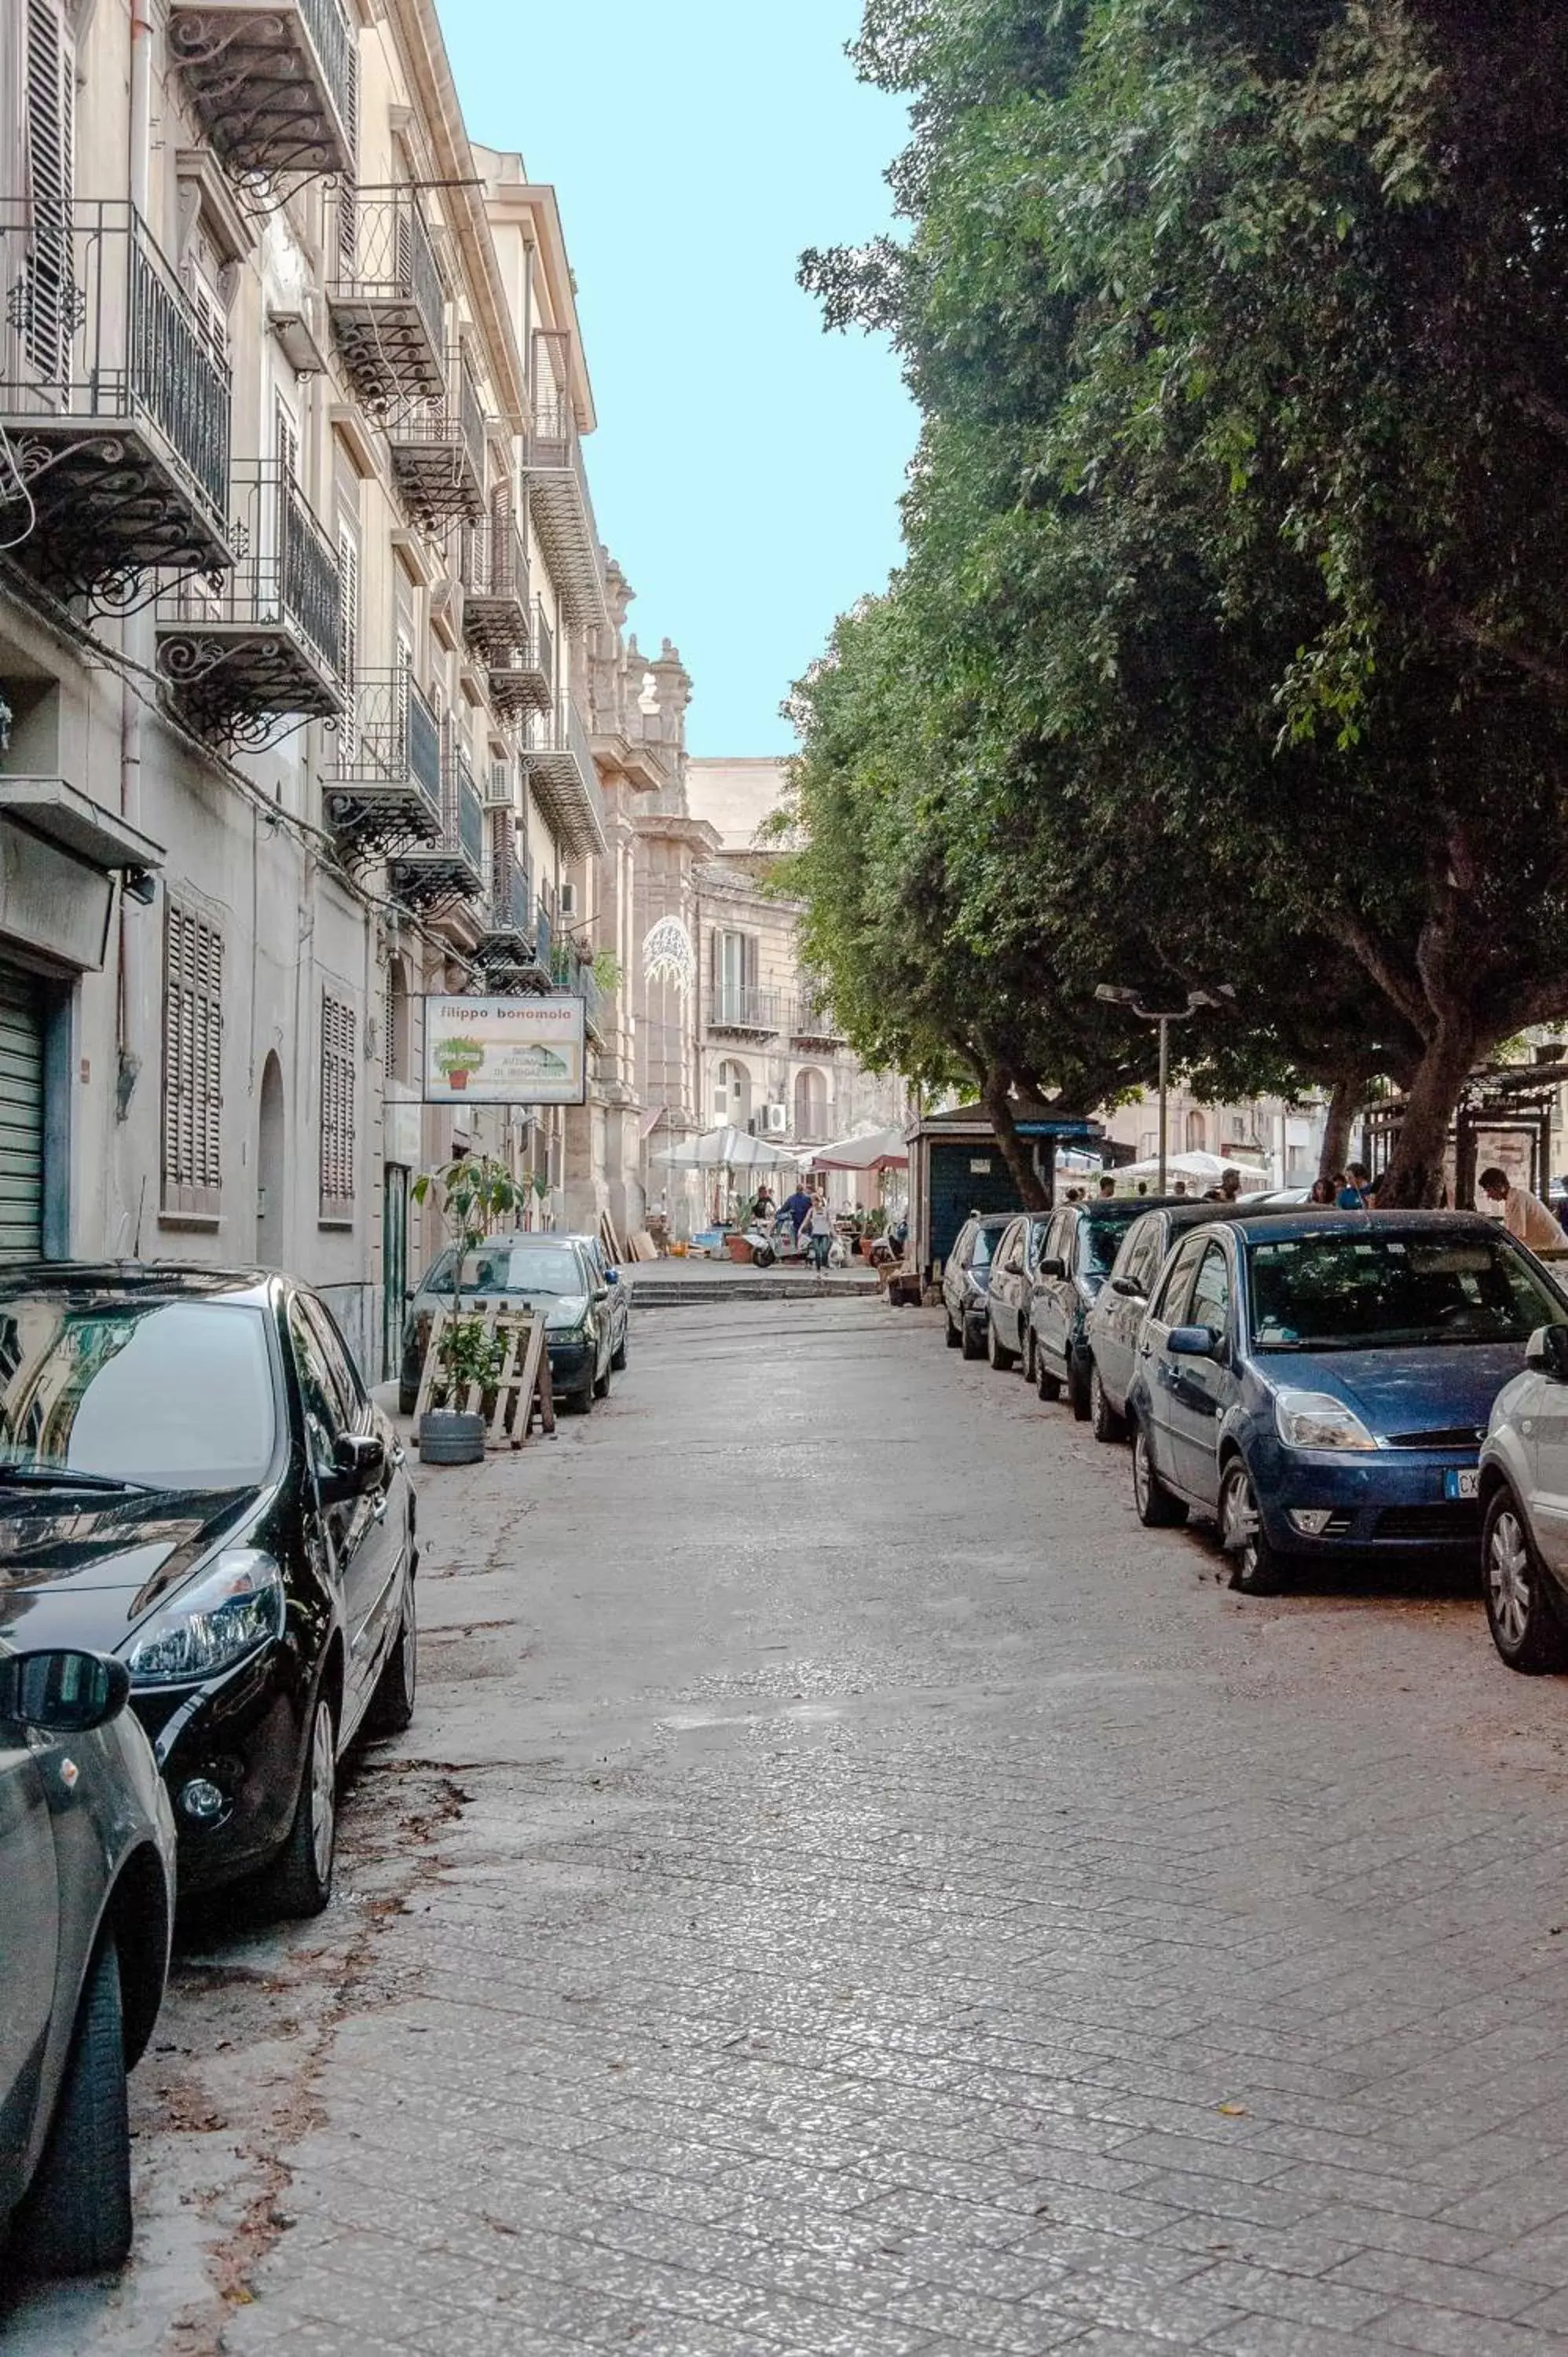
pixel 1546 1353
pixel 1194 1342
pixel 357 1460
pixel 612 1277
pixel 62 1693
pixel 1129 1289
pixel 601 1293
pixel 1053 1267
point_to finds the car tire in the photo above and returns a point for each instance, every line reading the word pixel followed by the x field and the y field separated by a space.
pixel 602 1382
pixel 1158 1509
pixel 77 2216
pixel 1522 1609
pixel 619 1354
pixel 1050 1386
pixel 1103 1420
pixel 1256 1569
pixel 953 1337
pixel 407 1401
pixel 1001 1359
pixel 1078 1390
pixel 969 1341
pixel 1030 1367
pixel 298 1882
pixel 392 1704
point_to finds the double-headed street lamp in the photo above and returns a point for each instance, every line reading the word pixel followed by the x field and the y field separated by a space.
pixel 1116 996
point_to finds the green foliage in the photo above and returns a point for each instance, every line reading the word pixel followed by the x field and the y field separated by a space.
pixel 469 1353
pixel 607 971
pixel 473 1194
pixel 1229 642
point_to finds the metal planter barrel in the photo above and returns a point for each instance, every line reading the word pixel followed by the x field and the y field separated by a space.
pixel 446 1436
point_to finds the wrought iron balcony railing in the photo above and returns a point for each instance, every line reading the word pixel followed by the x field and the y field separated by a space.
pixel 559 765
pixel 525 681
pixel 387 299
pixel 492 566
pixel 543 934
pixel 812 1018
pixel 271 81
pixel 438 451
pixel 262 644
pixel 571 970
pixel 558 492
pixel 741 1007
pixel 383 786
pixel 115 404
pixel 442 873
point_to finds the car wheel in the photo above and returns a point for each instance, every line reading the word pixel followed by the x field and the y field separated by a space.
pixel 1050 1386
pixel 953 1337
pixel 1523 1610
pixel 1104 1421
pixel 1078 1390
pixel 971 1345
pixel 392 1704
pixel 299 1879
pixel 407 1401
pixel 619 1354
pixel 1255 1567
pixel 1158 1508
pixel 77 2216
pixel 602 1382
pixel 1030 1367
pixel 1001 1359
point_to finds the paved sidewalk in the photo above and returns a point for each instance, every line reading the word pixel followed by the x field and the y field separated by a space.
pixel 852 1892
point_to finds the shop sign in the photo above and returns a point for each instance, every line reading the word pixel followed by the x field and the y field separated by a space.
pixel 525 1051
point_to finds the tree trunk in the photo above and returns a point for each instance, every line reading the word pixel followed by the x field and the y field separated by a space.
pixel 1415 1176
pixel 993 1096
pixel 1344 1103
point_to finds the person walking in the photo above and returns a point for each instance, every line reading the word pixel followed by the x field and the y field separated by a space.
pixel 819 1231
pixel 1524 1214
pixel 797 1209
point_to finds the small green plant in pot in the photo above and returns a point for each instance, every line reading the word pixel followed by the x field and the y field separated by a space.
pixel 473 1195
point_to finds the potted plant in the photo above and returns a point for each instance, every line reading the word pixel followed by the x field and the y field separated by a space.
pixel 457 1058
pixel 472 1195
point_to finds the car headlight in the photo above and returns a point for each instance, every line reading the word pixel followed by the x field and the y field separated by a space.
pixel 234 1607
pixel 1318 1420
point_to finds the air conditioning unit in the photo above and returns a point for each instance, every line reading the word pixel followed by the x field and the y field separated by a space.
pixel 498 790
pixel 568 900
pixel 775 1120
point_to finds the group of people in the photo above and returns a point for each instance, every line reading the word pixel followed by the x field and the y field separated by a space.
pixel 811 1222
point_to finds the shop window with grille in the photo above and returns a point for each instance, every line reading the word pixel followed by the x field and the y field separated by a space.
pixel 338 1078
pixel 193 1065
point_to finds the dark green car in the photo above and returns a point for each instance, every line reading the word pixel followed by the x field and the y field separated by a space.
pixel 548 1271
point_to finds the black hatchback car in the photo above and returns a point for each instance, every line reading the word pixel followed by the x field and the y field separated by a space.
pixel 966 1277
pixel 1075 1261
pixel 194 1479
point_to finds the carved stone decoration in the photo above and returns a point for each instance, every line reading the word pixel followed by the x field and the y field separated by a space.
pixel 667 954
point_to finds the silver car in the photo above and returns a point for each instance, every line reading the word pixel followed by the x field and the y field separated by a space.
pixel 1523 1483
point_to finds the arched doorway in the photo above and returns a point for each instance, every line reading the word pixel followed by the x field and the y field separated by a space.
pixel 1197 1133
pixel 810 1106
pixel 732 1093
pixel 270 1168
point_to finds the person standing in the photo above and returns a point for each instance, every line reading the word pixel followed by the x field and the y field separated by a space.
pixel 1524 1214
pixel 797 1207
pixel 1356 1193
pixel 819 1231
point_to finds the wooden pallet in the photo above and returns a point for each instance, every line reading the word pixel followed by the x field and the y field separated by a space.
pixel 523 1389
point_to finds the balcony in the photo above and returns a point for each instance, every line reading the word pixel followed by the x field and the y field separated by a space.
pixel 271 81
pixel 437 450
pixel 114 404
pixel 749 1013
pixel 572 971
pixel 812 1024
pixel 558 485
pixel 387 301
pixel 506 928
pixel 262 644
pixel 525 681
pixel 492 566
pixel 382 788
pixel 554 753
pixel 451 869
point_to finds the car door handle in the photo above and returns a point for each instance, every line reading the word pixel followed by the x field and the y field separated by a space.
pixel 379 1507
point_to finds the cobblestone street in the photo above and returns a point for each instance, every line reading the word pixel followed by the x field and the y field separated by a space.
pixel 849 1891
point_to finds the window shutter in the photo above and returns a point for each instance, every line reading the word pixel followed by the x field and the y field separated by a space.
pixel 193 1063
pixel 51 164
pixel 339 1029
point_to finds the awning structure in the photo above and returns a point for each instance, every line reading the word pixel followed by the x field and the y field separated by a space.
pixel 880 1149
pixel 726 1149
pixel 62 813
pixel 1209 1169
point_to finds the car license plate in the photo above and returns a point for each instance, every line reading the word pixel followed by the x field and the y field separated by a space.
pixel 1462 1481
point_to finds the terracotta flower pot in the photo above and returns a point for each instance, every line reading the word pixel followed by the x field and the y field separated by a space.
pixel 739 1250
pixel 458 1079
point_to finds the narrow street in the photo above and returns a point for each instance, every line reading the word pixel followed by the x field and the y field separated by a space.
pixel 850 1891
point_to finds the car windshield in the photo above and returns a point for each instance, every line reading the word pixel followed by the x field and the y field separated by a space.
pixel 1103 1240
pixel 986 1241
pixel 1355 1291
pixel 529 1266
pixel 171 1395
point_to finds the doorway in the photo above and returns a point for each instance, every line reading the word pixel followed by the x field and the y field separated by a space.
pixel 270 1165
pixel 394 1266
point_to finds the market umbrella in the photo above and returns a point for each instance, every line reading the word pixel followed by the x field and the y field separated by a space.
pixel 726 1149
pixel 880 1149
pixel 1208 1167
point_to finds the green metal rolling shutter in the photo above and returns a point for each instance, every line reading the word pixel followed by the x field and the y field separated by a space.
pixel 21 1118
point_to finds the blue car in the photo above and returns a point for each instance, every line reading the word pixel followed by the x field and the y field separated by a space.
pixel 1320 1383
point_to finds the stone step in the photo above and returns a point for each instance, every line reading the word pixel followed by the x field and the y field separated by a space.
pixel 676 1293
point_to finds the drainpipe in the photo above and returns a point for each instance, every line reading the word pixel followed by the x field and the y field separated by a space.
pixel 130 996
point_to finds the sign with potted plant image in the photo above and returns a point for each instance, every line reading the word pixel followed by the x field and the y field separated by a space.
pixel 505 1051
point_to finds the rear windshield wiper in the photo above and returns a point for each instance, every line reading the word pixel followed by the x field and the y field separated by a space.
pixel 64 1477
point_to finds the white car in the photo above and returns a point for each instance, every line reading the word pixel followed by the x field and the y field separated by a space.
pixel 1524 1494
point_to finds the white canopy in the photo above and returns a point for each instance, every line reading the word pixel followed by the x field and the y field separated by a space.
pixel 880 1149
pixel 1209 1168
pixel 726 1149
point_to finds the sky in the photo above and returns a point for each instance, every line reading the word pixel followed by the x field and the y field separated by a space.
pixel 747 468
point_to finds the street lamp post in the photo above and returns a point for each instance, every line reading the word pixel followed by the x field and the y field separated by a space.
pixel 1116 995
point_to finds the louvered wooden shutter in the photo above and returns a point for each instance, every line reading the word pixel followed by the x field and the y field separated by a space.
pixel 337 1036
pixel 193 1063
pixel 50 134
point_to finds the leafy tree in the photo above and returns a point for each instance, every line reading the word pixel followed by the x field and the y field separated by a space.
pixel 1238 535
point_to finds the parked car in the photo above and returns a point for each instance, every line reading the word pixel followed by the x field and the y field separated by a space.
pixel 193 1476
pixel 523 1270
pixel 1524 1503
pixel 1116 1314
pixel 1075 1261
pixel 966 1276
pixel 1322 1385
pixel 618 1307
pixel 1015 1266
pixel 87 1854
